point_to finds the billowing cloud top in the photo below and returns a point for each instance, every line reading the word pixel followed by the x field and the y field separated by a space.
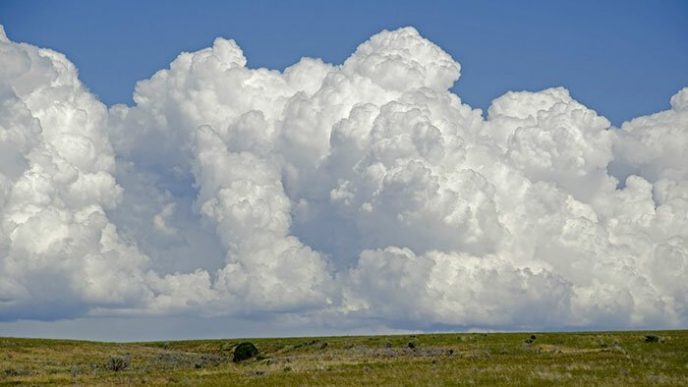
pixel 335 194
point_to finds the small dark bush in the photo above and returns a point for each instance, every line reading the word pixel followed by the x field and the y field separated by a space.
pixel 11 372
pixel 244 351
pixel 323 345
pixel 532 337
pixel 412 345
pixel 117 363
pixel 15 372
pixel 652 339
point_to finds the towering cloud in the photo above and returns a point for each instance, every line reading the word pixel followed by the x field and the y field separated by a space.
pixel 335 194
pixel 59 253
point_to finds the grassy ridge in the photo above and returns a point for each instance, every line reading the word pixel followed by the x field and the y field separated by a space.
pixel 618 358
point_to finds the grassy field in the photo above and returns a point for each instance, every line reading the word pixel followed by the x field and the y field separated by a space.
pixel 608 358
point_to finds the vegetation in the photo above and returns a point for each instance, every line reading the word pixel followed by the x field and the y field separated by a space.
pixel 609 358
pixel 244 351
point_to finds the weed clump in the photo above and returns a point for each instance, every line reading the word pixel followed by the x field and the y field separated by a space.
pixel 652 339
pixel 15 372
pixel 117 363
pixel 227 347
pixel 531 339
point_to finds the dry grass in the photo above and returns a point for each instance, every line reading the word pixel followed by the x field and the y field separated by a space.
pixel 617 358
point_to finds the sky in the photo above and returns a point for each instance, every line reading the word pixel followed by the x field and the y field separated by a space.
pixel 621 58
pixel 174 171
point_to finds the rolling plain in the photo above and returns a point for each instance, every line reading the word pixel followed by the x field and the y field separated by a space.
pixel 590 358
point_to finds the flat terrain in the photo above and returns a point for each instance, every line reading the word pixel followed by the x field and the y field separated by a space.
pixel 607 358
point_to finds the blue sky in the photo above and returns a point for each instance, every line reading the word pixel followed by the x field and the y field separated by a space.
pixel 621 58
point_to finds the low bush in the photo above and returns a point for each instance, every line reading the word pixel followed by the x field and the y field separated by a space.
pixel 652 339
pixel 244 351
pixel 117 363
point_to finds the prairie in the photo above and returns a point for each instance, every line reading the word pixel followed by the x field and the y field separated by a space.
pixel 540 358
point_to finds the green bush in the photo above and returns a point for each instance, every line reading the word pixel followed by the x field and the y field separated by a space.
pixel 244 351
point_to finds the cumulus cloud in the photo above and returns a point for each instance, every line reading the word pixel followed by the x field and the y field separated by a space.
pixel 335 194
pixel 60 253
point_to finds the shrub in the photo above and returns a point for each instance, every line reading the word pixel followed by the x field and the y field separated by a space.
pixel 244 351
pixel 15 372
pixel 117 363
pixel 651 339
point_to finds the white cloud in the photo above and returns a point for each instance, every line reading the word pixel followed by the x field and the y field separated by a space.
pixel 335 195
pixel 59 250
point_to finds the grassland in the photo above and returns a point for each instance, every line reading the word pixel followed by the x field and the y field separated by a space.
pixel 599 358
